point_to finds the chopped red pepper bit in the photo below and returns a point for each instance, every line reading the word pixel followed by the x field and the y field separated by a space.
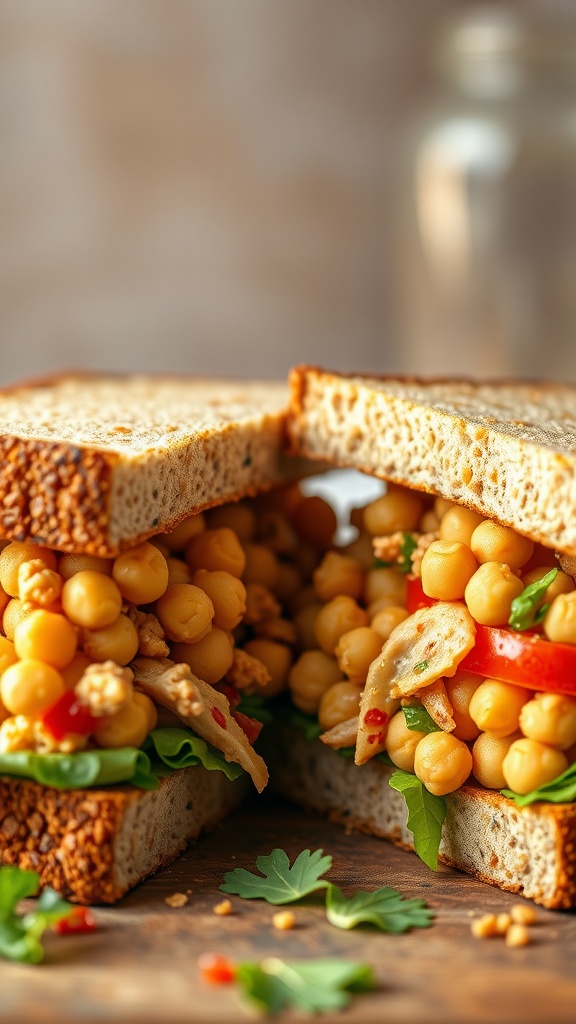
pixel 68 715
pixel 81 919
pixel 219 718
pixel 250 726
pixel 216 969
pixel 375 717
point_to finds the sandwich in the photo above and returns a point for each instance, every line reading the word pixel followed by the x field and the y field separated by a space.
pixel 445 634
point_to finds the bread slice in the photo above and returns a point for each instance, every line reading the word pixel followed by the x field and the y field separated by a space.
pixel 95 464
pixel 92 845
pixel 530 850
pixel 506 450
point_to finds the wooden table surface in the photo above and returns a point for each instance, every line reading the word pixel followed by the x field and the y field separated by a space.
pixel 141 964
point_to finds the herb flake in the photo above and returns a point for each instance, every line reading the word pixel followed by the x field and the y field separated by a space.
pixel 408 546
pixel 418 719
pixel 421 666
pixel 426 814
pixel 525 611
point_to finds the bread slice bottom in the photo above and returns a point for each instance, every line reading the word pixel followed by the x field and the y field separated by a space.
pixel 530 850
pixel 92 845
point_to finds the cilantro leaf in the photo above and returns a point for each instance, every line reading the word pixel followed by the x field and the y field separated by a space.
pixel 561 790
pixel 426 814
pixel 20 936
pixel 525 610
pixel 281 883
pixel 315 986
pixel 418 719
pixel 408 546
pixel 385 908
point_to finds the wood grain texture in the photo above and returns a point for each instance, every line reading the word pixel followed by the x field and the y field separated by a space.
pixel 141 963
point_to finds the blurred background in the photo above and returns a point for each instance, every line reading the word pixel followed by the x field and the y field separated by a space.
pixel 218 186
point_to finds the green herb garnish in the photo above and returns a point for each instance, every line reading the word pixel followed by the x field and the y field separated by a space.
pixel 407 548
pixel 312 986
pixel 418 719
pixel 385 908
pixel 426 814
pixel 281 883
pixel 561 790
pixel 525 609
pixel 20 935
pixel 421 666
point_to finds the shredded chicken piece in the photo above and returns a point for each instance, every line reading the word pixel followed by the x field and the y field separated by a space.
pixel 424 542
pixel 260 605
pixel 281 630
pixel 388 548
pixel 247 671
pixel 435 700
pixel 202 708
pixel 45 743
pixel 568 564
pixel 342 735
pixel 17 733
pixel 105 688
pixel 151 635
pixel 38 584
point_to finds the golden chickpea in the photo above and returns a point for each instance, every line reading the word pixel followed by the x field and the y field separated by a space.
pixel 7 654
pixel 288 582
pixel 385 582
pixel 127 728
pixel 560 620
pixel 118 642
pixel 46 636
pixel 340 702
pixel 380 605
pixel 216 550
pixel 141 574
pixel 338 574
pixel 356 650
pixel 91 599
pixel 227 593
pixel 442 506
pixel 529 765
pixel 429 522
pixel 490 592
pixel 149 708
pixel 261 566
pixel 4 601
pixel 186 613
pixel 74 670
pixel 304 622
pixel 15 611
pixel 340 615
pixel 460 689
pixel 494 543
pixel 30 687
pixel 495 707
pixel 458 524
pixel 69 565
pixel 488 753
pixel 387 619
pixel 12 557
pixel 447 567
pixel 361 549
pixel 162 548
pixel 314 521
pixel 550 718
pixel 209 658
pixel 442 762
pixel 179 538
pixel 310 677
pixel 178 571
pixel 401 742
pixel 277 658
pixel 398 509
pixel 240 518
pixel 561 584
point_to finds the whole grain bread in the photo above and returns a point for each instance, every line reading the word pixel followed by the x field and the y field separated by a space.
pixel 93 845
pixel 504 449
pixel 95 464
pixel 530 850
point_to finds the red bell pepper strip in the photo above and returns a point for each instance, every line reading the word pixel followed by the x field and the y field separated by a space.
pixel 66 716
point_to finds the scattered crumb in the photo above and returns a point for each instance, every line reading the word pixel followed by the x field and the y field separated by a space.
pixel 177 900
pixel 471 913
pixel 521 913
pixel 223 909
pixel 284 920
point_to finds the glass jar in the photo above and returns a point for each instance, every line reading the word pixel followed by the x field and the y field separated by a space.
pixel 488 240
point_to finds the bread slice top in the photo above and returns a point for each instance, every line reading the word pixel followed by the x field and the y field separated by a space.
pixel 505 449
pixel 95 464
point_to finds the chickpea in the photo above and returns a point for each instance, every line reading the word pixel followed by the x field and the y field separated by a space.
pixel 356 650
pixel 458 524
pixel 340 615
pixel 442 762
pixel 186 613
pixel 338 574
pixel 261 566
pixel 380 605
pixel 494 543
pixel 69 565
pixel 127 728
pixel 550 718
pixel 490 592
pixel 288 582
pixel 560 620
pixel 91 599
pixel 227 593
pixel 148 706
pixel 275 532
pixel 30 687
pixel 74 670
pixel 387 619
pixel 46 636
pixel 141 574
pixel 310 677
pixel 162 548
pixel 277 658
pixel 12 557
pixel 529 765
pixel 178 571
pixel 4 601
pixel 562 584
pixel 15 611
pixel 429 522
pixel 240 518
pixel 488 754
pixel 447 567
pixel 398 509
pixel 340 702
pixel 7 654
pixel 209 658
pixel 460 689
pixel 361 549
pixel 495 707
pixel 314 521
pixel 401 742
pixel 179 538
pixel 118 642
pixel 442 506
pixel 385 582
pixel 304 621
pixel 216 550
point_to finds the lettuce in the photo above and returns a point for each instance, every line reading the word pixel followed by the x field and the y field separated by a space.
pixel 181 748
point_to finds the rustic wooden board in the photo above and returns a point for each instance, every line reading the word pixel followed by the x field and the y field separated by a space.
pixel 141 964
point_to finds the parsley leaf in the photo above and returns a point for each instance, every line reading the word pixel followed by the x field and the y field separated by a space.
pixel 418 719
pixel 426 814
pixel 525 609
pixel 385 908
pixel 314 986
pixel 407 548
pixel 281 883
pixel 561 790
pixel 421 666
pixel 20 936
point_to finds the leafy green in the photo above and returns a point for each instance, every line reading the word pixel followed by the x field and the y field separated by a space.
pixel 385 908
pixel 82 770
pixel 525 609
pixel 255 706
pixel 426 814
pixel 182 748
pixel 379 563
pixel 315 986
pixel 561 790
pixel 20 936
pixel 418 719
pixel 281 883
pixel 421 666
pixel 408 546
pixel 308 724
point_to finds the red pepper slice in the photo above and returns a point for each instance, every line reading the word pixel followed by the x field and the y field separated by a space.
pixel 81 919
pixel 251 726
pixel 231 693
pixel 68 715
pixel 520 658
pixel 216 969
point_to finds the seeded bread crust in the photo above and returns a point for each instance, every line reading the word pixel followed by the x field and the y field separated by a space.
pixel 530 850
pixel 505 449
pixel 93 845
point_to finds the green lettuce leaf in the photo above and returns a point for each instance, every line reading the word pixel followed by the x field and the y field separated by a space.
pixel 561 790
pixel 82 770
pixel 426 814
pixel 182 748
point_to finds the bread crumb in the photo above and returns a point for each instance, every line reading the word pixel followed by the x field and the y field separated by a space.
pixel 176 900
pixel 223 909
pixel 518 935
pixel 523 914
pixel 284 920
